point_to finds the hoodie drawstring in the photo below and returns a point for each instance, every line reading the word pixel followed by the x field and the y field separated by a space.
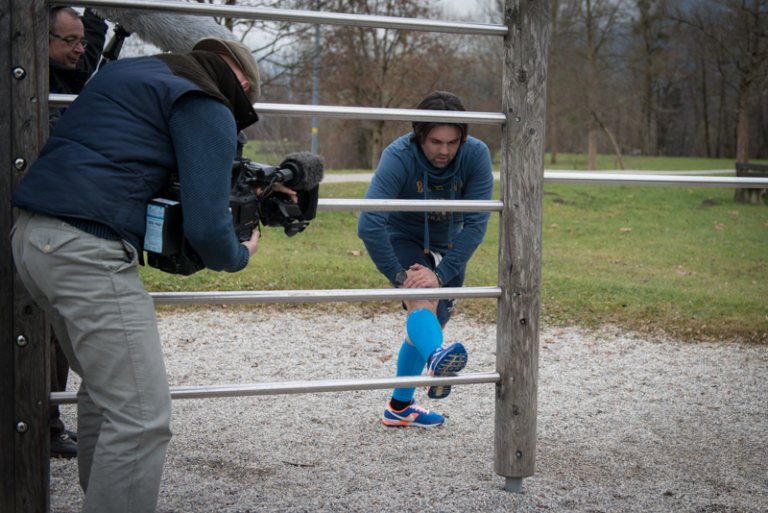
pixel 450 214
pixel 426 213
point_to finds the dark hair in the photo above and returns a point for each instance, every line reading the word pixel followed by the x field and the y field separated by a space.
pixel 438 100
pixel 53 14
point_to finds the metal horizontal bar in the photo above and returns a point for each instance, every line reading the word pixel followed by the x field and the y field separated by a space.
pixel 337 111
pixel 384 205
pixel 572 177
pixel 653 179
pixel 318 296
pixel 296 16
pixel 303 387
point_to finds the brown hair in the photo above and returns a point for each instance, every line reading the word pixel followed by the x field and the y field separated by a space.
pixel 53 15
pixel 438 100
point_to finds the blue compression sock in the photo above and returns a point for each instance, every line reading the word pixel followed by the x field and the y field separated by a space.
pixel 426 335
pixel 424 331
pixel 409 363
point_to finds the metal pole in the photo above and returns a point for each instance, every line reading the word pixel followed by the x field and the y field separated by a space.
pixel 652 179
pixel 319 296
pixel 344 112
pixel 315 81
pixel 295 16
pixel 384 205
pixel 305 387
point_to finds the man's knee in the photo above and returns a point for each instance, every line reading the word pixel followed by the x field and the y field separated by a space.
pixel 417 304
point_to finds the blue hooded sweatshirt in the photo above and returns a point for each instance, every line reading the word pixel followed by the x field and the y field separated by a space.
pixel 405 173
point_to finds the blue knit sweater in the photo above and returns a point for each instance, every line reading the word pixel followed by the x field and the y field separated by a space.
pixel 204 160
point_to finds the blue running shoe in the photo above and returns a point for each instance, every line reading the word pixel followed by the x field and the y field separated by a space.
pixel 411 415
pixel 445 361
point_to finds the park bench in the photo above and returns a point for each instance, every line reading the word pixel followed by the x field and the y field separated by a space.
pixel 749 170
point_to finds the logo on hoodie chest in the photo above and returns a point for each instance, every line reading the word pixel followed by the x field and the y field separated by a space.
pixel 438 192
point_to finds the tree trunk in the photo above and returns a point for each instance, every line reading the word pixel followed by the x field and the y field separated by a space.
pixel 754 196
pixel 614 143
pixel 705 107
pixel 552 128
pixel 377 138
pixel 722 124
pixel 592 149
pixel 552 113
pixel 742 123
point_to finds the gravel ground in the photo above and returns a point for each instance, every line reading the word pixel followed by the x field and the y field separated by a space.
pixel 626 423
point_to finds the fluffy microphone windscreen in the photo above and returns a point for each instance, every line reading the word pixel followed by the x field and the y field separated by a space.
pixel 309 167
pixel 168 31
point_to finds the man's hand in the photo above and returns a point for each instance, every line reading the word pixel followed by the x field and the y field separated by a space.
pixel 420 277
pixel 280 187
pixel 253 243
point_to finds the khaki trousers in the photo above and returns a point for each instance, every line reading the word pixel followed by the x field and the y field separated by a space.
pixel 105 322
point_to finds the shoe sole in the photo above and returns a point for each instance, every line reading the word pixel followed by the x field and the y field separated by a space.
pixel 450 365
pixel 405 424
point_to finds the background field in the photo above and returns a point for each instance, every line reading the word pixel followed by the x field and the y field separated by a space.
pixel 690 262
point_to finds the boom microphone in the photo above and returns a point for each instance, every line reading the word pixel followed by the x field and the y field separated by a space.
pixel 301 171
pixel 306 170
pixel 169 32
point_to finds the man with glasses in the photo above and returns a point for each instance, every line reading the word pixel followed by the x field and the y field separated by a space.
pixel 74 50
pixel 72 60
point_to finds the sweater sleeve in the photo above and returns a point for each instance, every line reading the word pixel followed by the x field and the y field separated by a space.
pixel 204 138
pixel 372 226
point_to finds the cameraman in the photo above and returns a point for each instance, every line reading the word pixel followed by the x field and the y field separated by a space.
pixel 78 241
pixel 74 49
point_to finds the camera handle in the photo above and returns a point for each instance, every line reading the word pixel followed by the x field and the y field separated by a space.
pixel 114 46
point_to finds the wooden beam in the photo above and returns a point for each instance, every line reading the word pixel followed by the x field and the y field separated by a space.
pixel 24 351
pixel 522 179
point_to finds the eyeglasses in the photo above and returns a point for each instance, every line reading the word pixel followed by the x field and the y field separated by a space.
pixel 71 41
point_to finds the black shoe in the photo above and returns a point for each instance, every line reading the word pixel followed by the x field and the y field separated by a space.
pixel 62 446
pixel 72 435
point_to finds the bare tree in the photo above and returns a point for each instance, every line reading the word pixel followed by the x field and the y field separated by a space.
pixel 565 60
pixel 270 41
pixel 734 33
pixel 649 60
pixel 553 87
pixel 600 20
pixel 625 73
pixel 363 66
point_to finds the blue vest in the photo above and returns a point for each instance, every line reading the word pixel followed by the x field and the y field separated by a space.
pixel 111 153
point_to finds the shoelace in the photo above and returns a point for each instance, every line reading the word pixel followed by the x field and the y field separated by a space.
pixel 435 355
pixel 419 408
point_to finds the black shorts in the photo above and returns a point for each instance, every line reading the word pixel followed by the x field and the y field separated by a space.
pixel 408 253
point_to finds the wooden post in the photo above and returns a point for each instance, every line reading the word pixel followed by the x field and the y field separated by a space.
pixel 522 179
pixel 24 348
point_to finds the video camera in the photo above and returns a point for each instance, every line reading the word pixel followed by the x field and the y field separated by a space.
pixel 168 249
pixel 270 208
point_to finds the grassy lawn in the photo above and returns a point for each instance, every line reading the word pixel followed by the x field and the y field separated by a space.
pixel 690 262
